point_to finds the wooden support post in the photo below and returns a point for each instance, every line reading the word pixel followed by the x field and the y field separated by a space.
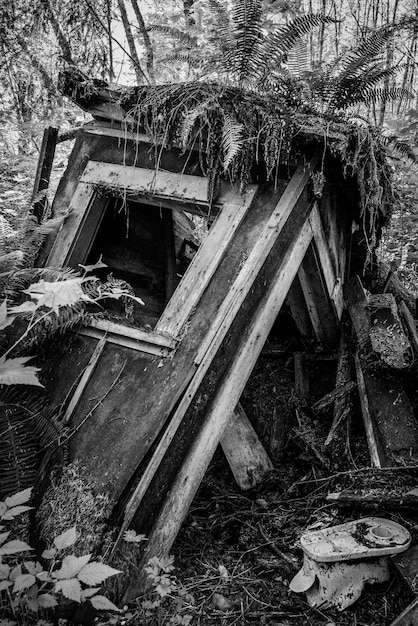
pixel 406 564
pixel 409 322
pixel 246 348
pixel 322 313
pixel 299 311
pixel 43 171
pixel 408 617
pixel 302 382
pixel 375 449
pixel 246 455
pixel 387 411
pixel 170 253
pixel 343 406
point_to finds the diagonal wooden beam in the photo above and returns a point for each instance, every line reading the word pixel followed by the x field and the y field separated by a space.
pixel 192 470
pixel 332 281
pixel 204 264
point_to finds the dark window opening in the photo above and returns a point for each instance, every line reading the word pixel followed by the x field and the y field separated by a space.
pixel 148 248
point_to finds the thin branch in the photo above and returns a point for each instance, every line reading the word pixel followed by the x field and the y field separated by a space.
pixel 62 41
pixel 131 42
pixel 106 30
pixel 147 41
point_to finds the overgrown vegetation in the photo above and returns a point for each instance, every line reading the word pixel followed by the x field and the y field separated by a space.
pixel 248 95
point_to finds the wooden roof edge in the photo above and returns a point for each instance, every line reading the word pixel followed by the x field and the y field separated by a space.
pixel 103 102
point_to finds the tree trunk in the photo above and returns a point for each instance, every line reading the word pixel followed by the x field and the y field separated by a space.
pixel 131 42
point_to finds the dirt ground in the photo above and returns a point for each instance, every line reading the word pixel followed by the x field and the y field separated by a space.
pixel 237 552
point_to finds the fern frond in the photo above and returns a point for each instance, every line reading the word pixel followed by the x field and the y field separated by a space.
pixel 19 443
pixel 192 57
pixel 178 35
pixel 231 144
pixel 387 94
pixel 247 33
pixel 298 59
pixel 400 149
pixel 279 43
pixel 367 52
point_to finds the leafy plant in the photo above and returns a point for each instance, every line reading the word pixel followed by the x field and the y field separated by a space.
pixel 168 602
pixel 32 585
pixel 238 51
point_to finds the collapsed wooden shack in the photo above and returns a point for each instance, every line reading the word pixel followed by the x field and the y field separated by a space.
pixel 149 391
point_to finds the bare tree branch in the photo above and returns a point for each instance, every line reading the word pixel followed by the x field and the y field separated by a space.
pixel 62 41
pixel 147 41
pixel 131 42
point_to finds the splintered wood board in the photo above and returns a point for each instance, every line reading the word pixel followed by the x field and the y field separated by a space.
pixel 203 266
pixel 142 181
pixel 389 417
pixel 191 450
pixel 246 455
pixel 249 265
pixel 147 393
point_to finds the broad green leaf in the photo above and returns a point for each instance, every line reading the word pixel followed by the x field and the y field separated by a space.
pixel 4 570
pixel 33 567
pixel 70 567
pixel 44 577
pixel 19 498
pixel 16 510
pixel 14 547
pixel 4 536
pixel 96 573
pixel 69 588
pixel 32 604
pixel 14 372
pixel 5 320
pixel 3 509
pixel 101 603
pixel 49 554
pixel 25 307
pixel 88 593
pixel 46 600
pixel 66 539
pixel 95 266
pixel 5 584
pixel 16 571
pixel 131 536
pixel 54 295
pixel 24 581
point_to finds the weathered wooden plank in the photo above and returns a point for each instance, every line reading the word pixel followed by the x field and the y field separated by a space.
pixel 246 455
pixel 141 181
pixel 375 449
pixel 204 264
pixel 388 407
pixel 410 325
pixel 408 617
pixel 381 498
pixel 407 565
pixel 357 308
pixel 170 253
pixel 147 341
pixel 151 411
pixel 79 206
pixel 84 240
pixel 342 407
pixel 84 380
pixel 302 378
pixel 230 387
pixel 332 281
pixel 298 308
pixel 322 313
pixel 257 257
pixel 386 333
pixel 43 170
